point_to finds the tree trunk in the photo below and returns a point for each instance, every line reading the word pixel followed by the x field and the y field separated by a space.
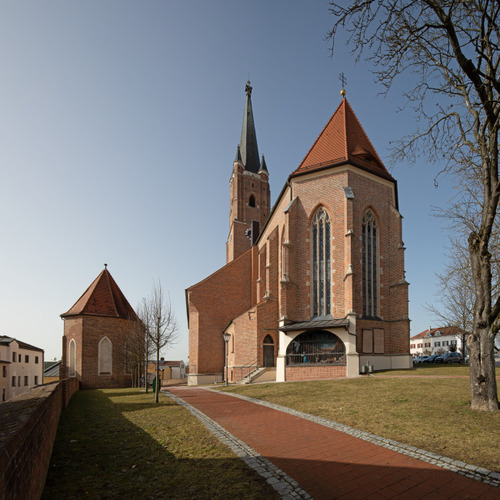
pixel 157 391
pixel 483 384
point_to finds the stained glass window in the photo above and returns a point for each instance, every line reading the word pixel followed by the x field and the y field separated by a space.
pixel 369 267
pixel 321 263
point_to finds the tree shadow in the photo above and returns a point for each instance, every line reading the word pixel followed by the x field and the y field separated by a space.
pixel 100 453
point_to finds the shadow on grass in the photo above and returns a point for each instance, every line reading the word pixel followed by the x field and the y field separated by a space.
pixel 107 449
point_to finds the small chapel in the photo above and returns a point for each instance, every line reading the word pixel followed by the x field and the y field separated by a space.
pixel 96 329
pixel 314 287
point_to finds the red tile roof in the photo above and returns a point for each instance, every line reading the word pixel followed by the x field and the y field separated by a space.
pixel 444 330
pixel 342 141
pixel 102 298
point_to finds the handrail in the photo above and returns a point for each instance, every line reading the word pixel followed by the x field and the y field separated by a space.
pixel 247 369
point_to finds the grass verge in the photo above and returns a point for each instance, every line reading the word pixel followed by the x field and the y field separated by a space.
pixel 120 444
pixel 431 413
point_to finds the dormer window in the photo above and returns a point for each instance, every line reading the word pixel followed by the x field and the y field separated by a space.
pixel 251 201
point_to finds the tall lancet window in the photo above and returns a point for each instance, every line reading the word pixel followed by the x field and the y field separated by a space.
pixel 105 356
pixel 321 266
pixel 72 358
pixel 369 265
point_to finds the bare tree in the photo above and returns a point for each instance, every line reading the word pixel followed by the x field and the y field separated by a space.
pixel 451 48
pixel 144 313
pixel 454 303
pixel 135 348
pixel 161 325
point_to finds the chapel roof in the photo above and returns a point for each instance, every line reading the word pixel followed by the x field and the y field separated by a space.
pixel 102 298
pixel 342 141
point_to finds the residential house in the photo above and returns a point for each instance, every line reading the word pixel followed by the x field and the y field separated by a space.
pixel 21 366
pixel 437 341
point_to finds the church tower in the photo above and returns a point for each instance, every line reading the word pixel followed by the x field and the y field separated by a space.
pixel 249 189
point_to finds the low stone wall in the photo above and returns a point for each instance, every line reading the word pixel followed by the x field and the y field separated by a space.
pixel 27 433
pixel 314 372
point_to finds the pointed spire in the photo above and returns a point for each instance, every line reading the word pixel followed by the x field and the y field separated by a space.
pixel 263 166
pixel 248 142
pixel 238 155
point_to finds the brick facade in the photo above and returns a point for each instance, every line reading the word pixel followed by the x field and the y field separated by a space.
pixel 270 285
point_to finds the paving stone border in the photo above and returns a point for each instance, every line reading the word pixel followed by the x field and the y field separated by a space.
pixel 286 487
pixel 462 468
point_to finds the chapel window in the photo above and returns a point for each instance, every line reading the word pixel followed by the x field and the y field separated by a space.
pixel 72 358
pixel 105 356
pixel 321 267
pixel 369 266
pixel 316 348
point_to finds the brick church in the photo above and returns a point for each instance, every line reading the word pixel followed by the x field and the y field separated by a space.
pixel 96 329
pixel 314 285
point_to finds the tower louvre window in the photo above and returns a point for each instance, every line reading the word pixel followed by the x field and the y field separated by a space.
pixel 369 265
pixel 321 267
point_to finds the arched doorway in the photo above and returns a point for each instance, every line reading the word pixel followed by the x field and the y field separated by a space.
pixel 268 346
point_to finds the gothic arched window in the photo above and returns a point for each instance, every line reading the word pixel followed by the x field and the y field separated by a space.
pixel 369 265
pixel 321 267
pixel 105 351
pixel 72 358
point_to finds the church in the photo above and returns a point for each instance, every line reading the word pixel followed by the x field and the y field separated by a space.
pixel 314 287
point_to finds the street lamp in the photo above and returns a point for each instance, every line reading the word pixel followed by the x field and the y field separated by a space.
pixel 226 336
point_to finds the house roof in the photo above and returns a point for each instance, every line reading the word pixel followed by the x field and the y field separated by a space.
pixel 342 141
pixel 52 370
pixel 442 331
pixel 102 298
pixel 4 340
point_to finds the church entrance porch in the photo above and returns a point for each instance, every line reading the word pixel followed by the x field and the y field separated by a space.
pixel 317 349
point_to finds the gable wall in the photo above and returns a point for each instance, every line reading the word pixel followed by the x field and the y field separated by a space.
pixel 212 304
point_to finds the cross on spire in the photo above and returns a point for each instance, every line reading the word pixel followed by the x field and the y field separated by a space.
pixel 343 81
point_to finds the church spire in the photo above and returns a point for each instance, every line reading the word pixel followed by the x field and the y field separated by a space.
pixel 248 142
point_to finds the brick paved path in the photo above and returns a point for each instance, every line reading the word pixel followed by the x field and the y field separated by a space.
pixel 327 463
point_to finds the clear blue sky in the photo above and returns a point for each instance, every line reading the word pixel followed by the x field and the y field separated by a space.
pixel 119 122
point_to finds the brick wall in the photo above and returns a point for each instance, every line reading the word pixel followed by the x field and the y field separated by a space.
pixel 87 331
pixel 27 434
pixel 212 304
pixel 294 373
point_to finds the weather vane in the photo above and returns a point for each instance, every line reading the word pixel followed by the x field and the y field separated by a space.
pixel 343 81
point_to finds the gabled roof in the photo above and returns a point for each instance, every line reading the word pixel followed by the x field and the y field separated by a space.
pixel 342 141
pixel 4 340
pixel 438 332
pixel 102 298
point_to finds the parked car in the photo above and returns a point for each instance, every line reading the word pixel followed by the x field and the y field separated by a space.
pixel 419 359
pixel 431 358
pixel 449 357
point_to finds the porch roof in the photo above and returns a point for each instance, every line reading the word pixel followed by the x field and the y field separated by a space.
pixel 316 324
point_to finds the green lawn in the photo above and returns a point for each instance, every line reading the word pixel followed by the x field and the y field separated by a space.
pixel 429 412
pixel 120 444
